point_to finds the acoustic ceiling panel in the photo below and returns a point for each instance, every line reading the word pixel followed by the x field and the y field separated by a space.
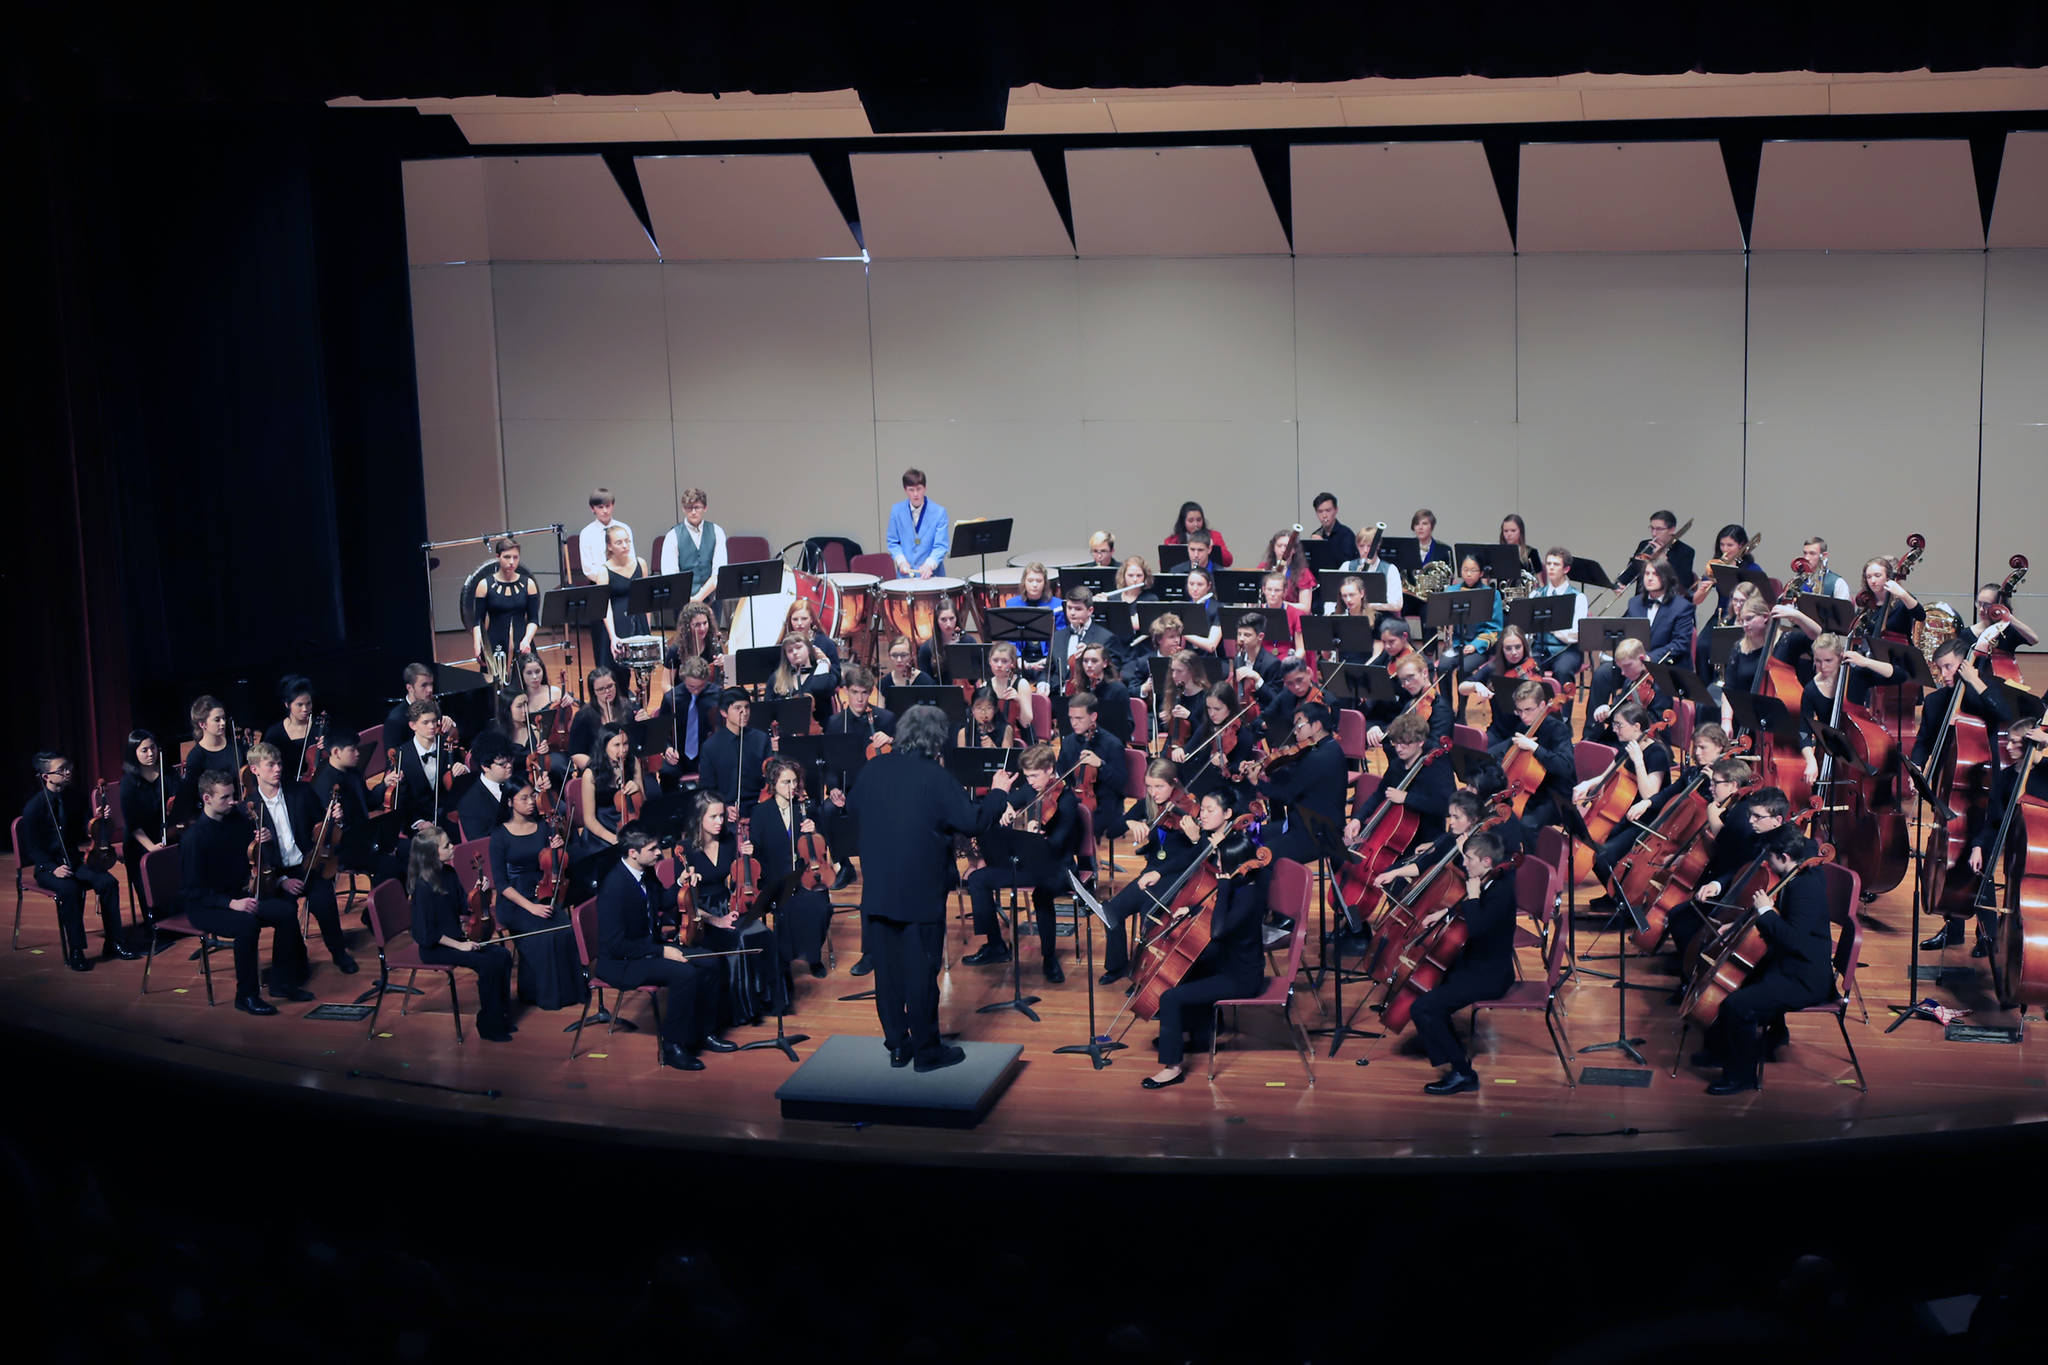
pixel 445 220
pixel 957 204
pixel 1640 196
pixel 742 208
pixel 1405 199
pixel 560 208
pixel 1904 195
pixel 2019 216
pixel 1171 201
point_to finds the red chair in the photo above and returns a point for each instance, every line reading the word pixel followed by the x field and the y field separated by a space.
pixel 1592 759
pixel 1288 894
pixel 161 874
pixel 1538 995
pixel 23 884
pixel 1041 716
pixel 583 928
pixel 881 566
pixel 472 861
pixel 1351 735
pixel 1845 893
pixel 747 549
pixel 834 557
pixel 1141 719
pixel 373 745
pixel 1678 735
pixel 1135 764
pixel 654 555
pixel 1536 881
pixel 391 917
pixel 1468 737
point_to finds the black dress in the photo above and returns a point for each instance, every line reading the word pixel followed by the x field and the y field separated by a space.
pixel 291 752
pixel 625 623
pixel 550 974
pixel 228 759
pixel 142 812
pixel 505 611
pixel 801 916
pixel 753 979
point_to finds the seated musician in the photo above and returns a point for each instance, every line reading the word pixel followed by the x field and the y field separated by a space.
pixel 293 735
pixel 986 727
pixel 930 659
pixel 2013 738
pixel 708 857
pixel 2017 632
pixel 1232 967
pixel 1102 549
pixel 1835 667
pixel 1012 689
pixel 1412 696
pixel 802 619
pixel 1462 815
pixel 629 903
pixel 1709 746
pixel 1273 601
pixel 1509 661
pixel 1514 533
pixel 903 669
pixel 1200 546
pixel 145 789
pixel 735 755
pixel 1394 643
pixel 1210 761
pixel 1081 629
pixel 1133 584
pixel 1669 612
pixel 1559 649
pixel 480 804
pixel 1627 679
pixel 801 916
pixel 1166 640
pixel 513 725
pixel 1428 548
pixel 693 703
pixel 1737 826
pixel 1661 544
pixel 1297 686
pixel 1253 660
pixel 1483 971
pixel 1428 795
pixel 1284 556
pixel 1797 971
pixel 291 815
pixel 550 973
pixel 214 892
pixel 1088 742
pixel 1166 842
pixel 804 672
pixel 1731 547
pixel 606 707
pixel 1028 850
pixel 863 720
pixel 697 637
pixel 1470 642
pixel 1192 519
pixel 1034 659
pixel 437 907
pixel 1309 791
pixel 1328 527
pixel 424 767
pixel 51 830
pixel 1549 737
pixel 341 779
pixel 1368 565
pixel 1096 665
pixel 530 676
pixel 1649 762
pixel 1201 618
pixel 419 687
pixel 1186 676
pixel 614 773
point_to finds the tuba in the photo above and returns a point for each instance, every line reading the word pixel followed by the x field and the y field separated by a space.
pixel 1936 629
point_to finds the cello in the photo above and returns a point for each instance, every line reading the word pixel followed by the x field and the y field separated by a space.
pixel 1382 842
pixel 1437 888
pixel 1606 807
pixel 1168 954
pixel 1732 953
pixel 1521 767
pixel 1673 849
pixel 1427 958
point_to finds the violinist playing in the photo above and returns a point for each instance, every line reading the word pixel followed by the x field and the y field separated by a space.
pixel 1039 835
pixel 1177 713
pixel 985 727
pixel 1216 757
pixel 550 973
pixel 291 817
pixel 710 855
pixel 1166 840
pixel 1097 674
pixel 1650 763
pixel 1411 686
pixel 1483 971
pixel 437 931
pixel 1087 745
pixel 514 727
pixel 1508 664
pixel 1232 967
pixel 1797 971
pixel 51 831
pixel 1547 736
pixel 776 823
pixel 1253 662
pixel 1309 791
pixel 214 892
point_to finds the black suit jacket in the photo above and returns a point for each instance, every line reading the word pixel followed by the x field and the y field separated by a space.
pixel 1429 795
pixel 731 770
pixel 708 723
pixel 43 844
pixel 1671 632
pixel 1065 643
pixel 416 793
pixel 479 811
pixel 909 809
pixel 1312 788
pixel 1112 778
pixel 302 809
pixel 1988 706
pixel 1490 944
pixel 1236 951
pixel 1678 555
pixel 1801 935
pixel 626 913
pixel 213 862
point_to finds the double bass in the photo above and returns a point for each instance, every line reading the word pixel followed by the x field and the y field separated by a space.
pixel 1862 801
pixel 1732 953
pixel 1782 765
pixel 1961 770
pixel 2005 665
pixel 1427 958
pixel 2020 963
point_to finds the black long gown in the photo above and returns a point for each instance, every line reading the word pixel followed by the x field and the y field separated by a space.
pixel 550 974
pixel 755 978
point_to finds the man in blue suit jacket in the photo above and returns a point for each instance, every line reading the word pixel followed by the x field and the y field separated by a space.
pixel 919 534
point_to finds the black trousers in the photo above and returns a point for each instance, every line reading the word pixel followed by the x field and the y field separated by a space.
pixel 907 956
pixel 1433 1013
pixel 493 967
pixel 1296 841
pixel 1565 664
pixel 1187 1009
pixel 318 896
pixel 982 884
pixel 1737 1035
pixel 1132 900
pixel 800 925
pixel 1613 849
pixel 691 991
pixel 241 927
pixel 841 828
pixel 70 893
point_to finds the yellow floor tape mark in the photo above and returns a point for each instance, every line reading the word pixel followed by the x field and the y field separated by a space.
pixel 35 952
pixel 1503 1080
pixel 597 1054
pixel 383 1035
pixel 1276 1085
pixel 181 990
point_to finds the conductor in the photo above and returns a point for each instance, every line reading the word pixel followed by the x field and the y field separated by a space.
pixel 909 808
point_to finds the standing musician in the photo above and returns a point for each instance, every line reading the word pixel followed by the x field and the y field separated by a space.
pixel 1559 649
pixel 607 707
pixel 419 687
pixel 1828 583
pixel 1088 742
pixel 550 973
pixel 775 823
pixel 144 807
pixel 1661 544
pixel 1191 519
pixel 1428 796
pixel 1983 698
pixel 1651 763
pixel 1232 966
pixel 291 816
pixel 1283 556
pixel 51 831
pixel 437 933
pixel 505 608
pixel 1514 532
pixel 420 767
pixel 614 770
pixel 591 540
pixel 696 547
pixel 1216 760
pixel 1738 826
pixel 1483 971
pixel 903 670
pixel 1274 602
pixel 616 575
pixel 1079 630
pixel 710 855
pixel 1627 678
pixel 733 758
pixel 214 892
pixel 211 751
pixel 1798 970
pixel 1327 526
pixel 629 903
pixel 1031 850
pixel 480 807
pixel 918 535
pixel 1731 547
pixel 931 655
pixel 293 735
pixel 1428 549
pixel 1166 846
pixel 2014 740
pixel 1368 564
pixel 1310 790
pixel 910 809
pixel 1167 639
pixel 1549 737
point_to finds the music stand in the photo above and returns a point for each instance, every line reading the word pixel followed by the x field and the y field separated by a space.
pixel 947 699
pixel 1149 612
pixel 1403 552
pixel 1589 573
pixel 966 663
pixel 1766 717
pixel 755 667
pixel 1323 556
pixel 564 609
pixel 1020 625
pixel 975 768
pixel 655 735
pixel 1603 633
pixel 1238 586
pixel 1726 576
pixel 1500 563
pixel 1230 618
pixel 1681 684
pixel 652 596
pixel 1721 642
pixel 1170 587
pixel 1451 610
pixel 1830 613
pixel 757 578
pixel 1374 684
pixel 981 539
pixel 1097 578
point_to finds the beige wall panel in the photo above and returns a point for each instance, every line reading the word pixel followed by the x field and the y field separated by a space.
pixel 1400 198
pixel 560 208
pixel 974 471
pixel 742 208
pixel 976 340
pixel 1186 340
pixel 444 211
pixel 1591 485
pixel 2016 338
pixel 551 466
pixel 785 341
pixel 2010 513
pixel 1865 338
pixel 455 364
pixel 580 341
pixel 1640 196
pixel 1647 338
pixel 1243 474
pixel 1903 195
pixel 2019 216
pixel 782 480
pixel 957 204
pixel 1407 339
pixel 1171 201
pixel 1386 469
pixel 647 125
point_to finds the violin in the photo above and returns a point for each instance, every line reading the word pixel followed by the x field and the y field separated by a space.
pixel 554 860
pixel 1732 953
pixel 544 797
pixel 316 748
pixel 627 801
pixel 477 924
pixel 689 928
pixel 100 853
pixel 564 714
pixel 813 853
pixel 394 777
pixel 262 880
pixel 745 875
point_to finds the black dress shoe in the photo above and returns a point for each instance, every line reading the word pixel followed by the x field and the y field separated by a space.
pixel 496 1035
pixel 254 1004
pixel 298 994
pixel 114 947
pixel 1152 1083
pixel 344 964
pixel 863 967
pixel 78 962
pixel 1112 976
pixel 674 1055
pixel 990 954
pixel 1950 935
pixel 1724 1086
pixel 818 970
pixel 1054 972
pixel 845 877
pixel 1981 948
pixel 1603 901
pixel 899 1056
pixel 719 1045
pixel 1456 1083
pixel 945 1057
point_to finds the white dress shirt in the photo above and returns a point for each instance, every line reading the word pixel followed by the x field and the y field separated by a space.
pixel 590 545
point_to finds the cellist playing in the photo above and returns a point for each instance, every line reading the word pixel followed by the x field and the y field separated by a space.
pixel 1167 843
pixel 1231 967
pixel 1483 971
pixel 1652 764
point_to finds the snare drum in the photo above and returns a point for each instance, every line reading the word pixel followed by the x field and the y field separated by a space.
pixel 640 652
pixel 856 600
pixel 911 605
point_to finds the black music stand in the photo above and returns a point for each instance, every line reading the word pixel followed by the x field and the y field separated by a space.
pixel 1178 554
pixel 1171 587
pixel 946 698
pixel 1097 578
pixel 651 597
pixel 1340 635
pixel 1680 683
pixel 1455 609
pixel 1149 612
pixel 1721 642
pixel 1238 586
pixel 1099 1045
pixel 1830 613
pixel 564 609
pixel 1603 633
pixel 1500 563
pixel 1403 552
pixel 1324 556
pixel 1374 683
pixel 981 539
pixel 758 578
pixel 1540 616
pixel 1726 576
pixel 755 667
pixel 965 663
pixel 789 715
pixel 1230 618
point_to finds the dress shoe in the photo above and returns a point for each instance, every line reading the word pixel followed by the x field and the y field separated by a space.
pixel 1981 948
pixel 818 970
pixel 78 962
pixel 863 967
pixel 1603 901
pixel 846 876
pixel 1950 935
pixel 1112 976
pixel 991 953
pixel 1453 1083
pixel 674 1055
pixel 500 1034
pixel 719 1045
pixel 254 1004
pixel 1054 972
pixel 344 964
pixel 114 947
pixel 899 1056
pixel 1725 1086
pixel 1153 1083
pixel 945 1057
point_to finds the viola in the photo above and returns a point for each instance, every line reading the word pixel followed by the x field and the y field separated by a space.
pixel 813 853
pixel 316 748
pixel 745 877
pixel 100 853
pixel 544 797
pixel 879 743
pixel 689 928
pixel 554 860
pixel 321 860
pixel 1427 958
pixel 1248 697
pixel 477 924
pixel 1732 953
pixel 1165 959
pixel 1382 841
pixel 394 777
pixel 627 801
pixel 564 714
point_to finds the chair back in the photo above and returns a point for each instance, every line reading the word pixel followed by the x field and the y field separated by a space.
pixel 665 871
pixel 880 565
pixel 162 875
pixel 1554 847
pixel 748 549
pixel 466 865
pixel 373 745
pixel 1679 737
pixel 1368 783
pixel 1845 895
pixel 1141 717
pixel 1468 737
pixel 1351 734
pixel 1536 889
pixel 1135 763
pixel 1592 759
pixel 834 557
pixel 1041 716
pixel 654 555
pixel 14 841
pixel 390 911
pixel 583 928
pixel 1287 890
